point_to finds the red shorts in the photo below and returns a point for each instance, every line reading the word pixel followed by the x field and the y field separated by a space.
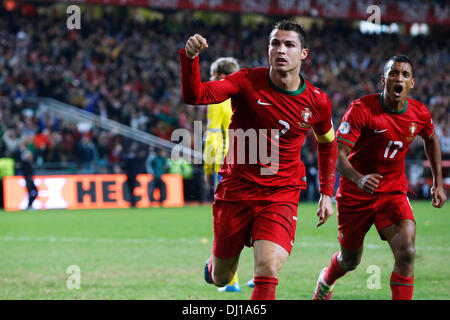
pixel 355 221
pixel 239 222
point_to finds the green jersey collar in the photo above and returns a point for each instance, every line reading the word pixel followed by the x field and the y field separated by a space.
pixel 291 93
pixel 385 108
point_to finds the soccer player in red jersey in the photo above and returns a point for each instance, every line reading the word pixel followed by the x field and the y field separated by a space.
pixel 256 201
pixel 373 139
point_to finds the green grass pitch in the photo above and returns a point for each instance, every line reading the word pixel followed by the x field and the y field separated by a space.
pixel 159 253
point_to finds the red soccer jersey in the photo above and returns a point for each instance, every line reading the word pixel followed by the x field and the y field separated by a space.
pixel 258 106
pixel 380 139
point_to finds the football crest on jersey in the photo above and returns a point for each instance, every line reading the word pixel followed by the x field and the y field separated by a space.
pixel 344 128
pixel 412 131
pixel 306 116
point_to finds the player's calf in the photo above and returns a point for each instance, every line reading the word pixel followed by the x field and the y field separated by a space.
pixel 222 280
pixel 207 272
pixel 220 276
pixel 232 286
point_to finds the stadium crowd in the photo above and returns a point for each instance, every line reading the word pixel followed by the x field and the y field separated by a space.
pixel 127 70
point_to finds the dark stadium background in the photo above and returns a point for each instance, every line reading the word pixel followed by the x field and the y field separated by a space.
pixel 123 65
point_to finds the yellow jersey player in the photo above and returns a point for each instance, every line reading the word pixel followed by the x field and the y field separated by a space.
pixel 216 140
pixel 219 117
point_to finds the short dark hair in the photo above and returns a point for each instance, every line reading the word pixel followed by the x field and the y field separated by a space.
pixel 289 25
pixel 400 58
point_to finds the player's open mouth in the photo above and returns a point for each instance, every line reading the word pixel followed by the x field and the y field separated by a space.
pixel 398 90
pixel 280 60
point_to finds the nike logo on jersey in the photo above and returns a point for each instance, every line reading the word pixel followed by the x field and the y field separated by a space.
pixel 379 131
pixel 264 103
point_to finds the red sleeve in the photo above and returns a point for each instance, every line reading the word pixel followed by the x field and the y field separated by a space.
pixel 353 122
pixel 327 166
pixel 195 91
pixel 326 148
pixel 325 124
pixel 428 131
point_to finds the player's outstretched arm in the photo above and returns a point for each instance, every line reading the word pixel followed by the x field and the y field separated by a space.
pixel 433 151
pixel 194 45
pixel 193 90
pixel 368 183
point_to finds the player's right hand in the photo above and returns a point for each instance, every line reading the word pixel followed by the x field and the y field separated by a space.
pixel 369 183
pixel 325 209
pixel 194 45
pixel 438 196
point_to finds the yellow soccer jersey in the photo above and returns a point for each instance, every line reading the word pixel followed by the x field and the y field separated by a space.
pixel 216 142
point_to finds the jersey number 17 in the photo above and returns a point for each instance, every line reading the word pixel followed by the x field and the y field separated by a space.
pixel 395 145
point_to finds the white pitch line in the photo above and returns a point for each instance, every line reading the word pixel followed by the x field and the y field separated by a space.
pixel 299 242
pixel 97 240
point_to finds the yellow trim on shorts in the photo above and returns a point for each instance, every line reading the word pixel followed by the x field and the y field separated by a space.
pixel 325 138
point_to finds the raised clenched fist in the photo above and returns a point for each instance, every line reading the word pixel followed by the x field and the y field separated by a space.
pixel 194 45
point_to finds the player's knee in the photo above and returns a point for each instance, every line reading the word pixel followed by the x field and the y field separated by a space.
pixel 222 279
pixel 267 268
pixel 350 263
pixel 406 255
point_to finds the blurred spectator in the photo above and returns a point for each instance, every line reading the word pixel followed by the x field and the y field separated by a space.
pixel 12 141
pixel 312 176
pixel 26 166
pixel 159 166
pixel 185 169
pixel 115 157
pixel 132 164
pixel 101 141
pixel 148 162
pixel 41 143
pixel 55 149
pixel 88 155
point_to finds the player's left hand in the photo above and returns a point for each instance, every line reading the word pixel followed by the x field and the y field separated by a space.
pixel 325 209
pixel 438 196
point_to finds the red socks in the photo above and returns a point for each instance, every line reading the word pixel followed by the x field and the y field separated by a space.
pixel 333 271
pixel 264 288
pixel 401 287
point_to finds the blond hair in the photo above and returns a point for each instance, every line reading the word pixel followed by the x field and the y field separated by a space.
pixel 224 65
